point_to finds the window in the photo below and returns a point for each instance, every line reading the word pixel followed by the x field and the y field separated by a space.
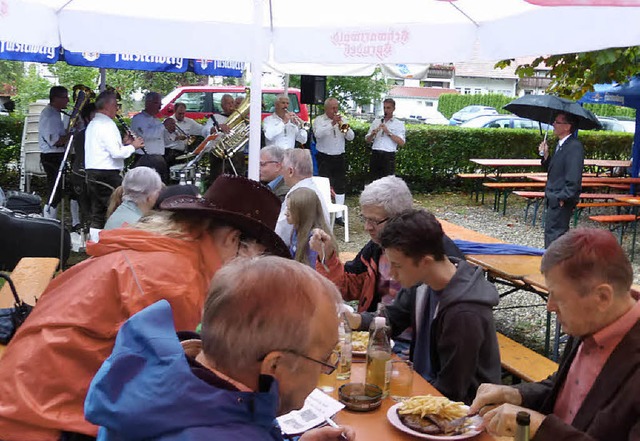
pixel 195 101
pixel 467 91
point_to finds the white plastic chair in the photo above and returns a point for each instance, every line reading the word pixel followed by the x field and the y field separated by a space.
pixel 325 189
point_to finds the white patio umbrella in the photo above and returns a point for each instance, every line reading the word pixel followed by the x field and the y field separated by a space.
pixel 333 32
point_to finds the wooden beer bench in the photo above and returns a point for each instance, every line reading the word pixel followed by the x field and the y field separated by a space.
pixel 523 363
pixel 30 277
pixel 588 205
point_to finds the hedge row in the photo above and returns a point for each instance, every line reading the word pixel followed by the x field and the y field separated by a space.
pixel 430 160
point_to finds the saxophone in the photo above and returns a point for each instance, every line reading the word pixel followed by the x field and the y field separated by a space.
pixel 228 144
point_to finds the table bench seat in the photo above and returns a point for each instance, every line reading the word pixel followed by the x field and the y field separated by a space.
pixel 522 362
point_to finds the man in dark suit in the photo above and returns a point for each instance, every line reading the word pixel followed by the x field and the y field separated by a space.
pixel 595 395
pixel 564 177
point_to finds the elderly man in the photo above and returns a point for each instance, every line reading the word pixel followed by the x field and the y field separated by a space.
pixel 387 135
pixel 217 123
pixel 271 158
pixel 269 329
pixel 151 129
pixel 176 143
pixel 595 395
pixel 367 278
pixel 330 141
pixel 172 255
pixel 53 139
pixel 104 155
pixel 564 182
pixel 280 128
pixel 297 172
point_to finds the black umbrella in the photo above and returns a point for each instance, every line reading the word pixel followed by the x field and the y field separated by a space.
pixel 543 108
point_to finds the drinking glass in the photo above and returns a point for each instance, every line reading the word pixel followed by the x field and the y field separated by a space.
pixel 401 384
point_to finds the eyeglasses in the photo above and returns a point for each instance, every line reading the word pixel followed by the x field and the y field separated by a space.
pixel 560 122
pixel 263 163
pixel 374 222
pixel 327 366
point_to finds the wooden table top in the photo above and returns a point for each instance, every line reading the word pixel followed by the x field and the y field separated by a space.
pixel 594 179
pixel 536 162
pixel 537 281
pixel 635 200
pixel 374 425
pixel 508 265
pixel 457 232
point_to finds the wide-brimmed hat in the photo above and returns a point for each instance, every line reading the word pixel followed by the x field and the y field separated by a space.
pixel 243 203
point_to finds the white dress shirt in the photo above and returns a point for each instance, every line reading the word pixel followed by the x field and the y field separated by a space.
pixel 284 228
pixel 382 141
pixel 329 139
pixel 282 135
pixel 50 129
pixel 188 126
pixel 103 149
pixel 151 130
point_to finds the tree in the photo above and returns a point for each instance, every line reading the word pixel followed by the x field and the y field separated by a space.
pixel 30 88
pixel 10 73
pixel 572 75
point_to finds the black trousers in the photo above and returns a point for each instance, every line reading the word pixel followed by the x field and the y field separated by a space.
pixel 333 167
pixel 382 164
pixel 556 222
pixel 101 184
pixel 51 165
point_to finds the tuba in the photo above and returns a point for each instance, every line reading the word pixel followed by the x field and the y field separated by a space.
pixel 81 96
pixel 228 144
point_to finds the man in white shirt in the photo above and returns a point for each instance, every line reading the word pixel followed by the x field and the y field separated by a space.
pixel 330 140
pixel 53 139
pixel 146 125
pixel 387 134
pixel 217 122
pixel 280 129
pixel 176 143
pixel 105 155
pixel 297 171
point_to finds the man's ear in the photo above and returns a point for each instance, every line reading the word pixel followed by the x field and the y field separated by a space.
pixel 271 363
pixel 231 238
pixel 605 294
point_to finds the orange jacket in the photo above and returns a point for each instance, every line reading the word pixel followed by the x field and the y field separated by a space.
pixel 46 369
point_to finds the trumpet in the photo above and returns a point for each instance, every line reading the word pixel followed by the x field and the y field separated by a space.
pixel 299 122
pixel 343 127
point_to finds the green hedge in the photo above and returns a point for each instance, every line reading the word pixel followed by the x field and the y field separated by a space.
pixel 433 155
pixel 430 160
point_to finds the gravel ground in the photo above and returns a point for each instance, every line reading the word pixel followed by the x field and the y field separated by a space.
pixel 521 315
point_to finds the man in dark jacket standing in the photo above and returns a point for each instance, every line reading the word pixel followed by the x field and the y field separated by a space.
pixel 454 344
pixel 595 395
pixel 564 177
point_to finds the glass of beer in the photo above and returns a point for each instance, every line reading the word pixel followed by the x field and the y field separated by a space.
pixel 327 383
pixel 401 384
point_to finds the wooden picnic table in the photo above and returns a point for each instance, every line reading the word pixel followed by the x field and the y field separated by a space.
pixel 373 425
pixel 605 180
pixel 510 266
pixel 502 162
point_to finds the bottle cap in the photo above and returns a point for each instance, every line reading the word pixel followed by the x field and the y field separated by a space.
pixel 380 322
pixel 523 418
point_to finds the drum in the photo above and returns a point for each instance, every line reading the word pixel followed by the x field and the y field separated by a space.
pixel 183 174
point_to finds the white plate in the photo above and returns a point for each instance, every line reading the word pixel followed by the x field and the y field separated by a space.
pixel 346 306
pixel 393 418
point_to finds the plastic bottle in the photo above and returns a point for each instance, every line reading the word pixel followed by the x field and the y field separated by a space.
pixel 379 357
pixel 522 428
pixel 344 333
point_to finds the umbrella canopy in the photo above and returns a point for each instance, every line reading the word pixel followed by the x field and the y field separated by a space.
pixel 544 108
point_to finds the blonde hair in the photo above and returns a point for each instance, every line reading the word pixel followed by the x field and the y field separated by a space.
pixel 306 214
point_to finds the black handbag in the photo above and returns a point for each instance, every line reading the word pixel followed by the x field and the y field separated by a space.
pixel 12 318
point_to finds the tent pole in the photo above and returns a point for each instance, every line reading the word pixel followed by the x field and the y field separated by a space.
pixel 103 79
pixel 255 109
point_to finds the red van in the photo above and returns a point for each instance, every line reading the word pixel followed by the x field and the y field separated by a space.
pixel 202 101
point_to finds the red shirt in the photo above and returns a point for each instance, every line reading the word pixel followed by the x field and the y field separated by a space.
pixel 593 353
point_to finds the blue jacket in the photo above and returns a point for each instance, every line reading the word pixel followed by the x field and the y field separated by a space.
pixel 148 389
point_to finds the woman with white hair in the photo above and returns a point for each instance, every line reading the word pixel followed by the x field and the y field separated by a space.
pixel 141 187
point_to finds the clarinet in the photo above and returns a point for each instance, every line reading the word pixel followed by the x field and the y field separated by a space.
pixel 127 129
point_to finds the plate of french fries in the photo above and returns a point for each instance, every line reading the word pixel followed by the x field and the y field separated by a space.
pixel 435 418
pixel 359 342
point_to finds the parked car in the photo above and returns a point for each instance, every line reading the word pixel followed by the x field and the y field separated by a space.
pixel 616 125
pixel 202 101
pixel 504 122
pixel 470 112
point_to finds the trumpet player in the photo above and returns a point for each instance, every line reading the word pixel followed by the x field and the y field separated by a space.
pixel 387 134
pixel 284 128
pixel 176 143
pixel 331 132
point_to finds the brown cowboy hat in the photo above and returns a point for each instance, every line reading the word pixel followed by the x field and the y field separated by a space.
pixel 242 203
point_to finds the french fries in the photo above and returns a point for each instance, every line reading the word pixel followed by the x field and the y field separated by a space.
pixel 359 341
pixel 432 405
